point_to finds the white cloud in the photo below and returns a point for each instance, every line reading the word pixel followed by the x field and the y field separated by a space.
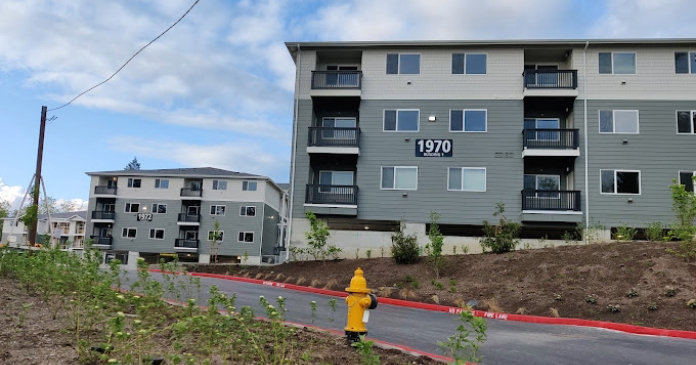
pixel 242 156
pixel 11 194
pixel 647 18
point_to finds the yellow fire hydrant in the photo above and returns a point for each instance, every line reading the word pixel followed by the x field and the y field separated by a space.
pixel 359 302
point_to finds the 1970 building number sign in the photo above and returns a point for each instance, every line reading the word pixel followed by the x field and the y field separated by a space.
pixel 433 148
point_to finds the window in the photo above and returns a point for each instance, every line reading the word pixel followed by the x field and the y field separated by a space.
pixel 161 183
pixel 245 237
pixel 618 121
pixel 337 122
pixel 156 233
pixel 401 120
pixel 159 208
pixel 248 211
pixel 618 63
pixel 400 178
pixel 132 207
pixel 469 63
pixel 129 232
pixel 109 207
pixel 468 120
pixel 686 179
pixel 685 62
pixel 403 64
pixel 542 183
pixel 686 121
pixel 219 184
pixel 217 210
pixel 533 133
pixel 620 182
pixel 249 185
pixel 466 179
pixel 134 183
pixel 220 236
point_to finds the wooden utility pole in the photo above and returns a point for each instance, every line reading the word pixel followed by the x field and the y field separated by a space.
pixel 37 178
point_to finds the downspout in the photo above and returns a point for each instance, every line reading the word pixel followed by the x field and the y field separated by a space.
pixel 298 68
pixel 587 179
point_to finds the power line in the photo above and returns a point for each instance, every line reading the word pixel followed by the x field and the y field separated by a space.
pixel 130 59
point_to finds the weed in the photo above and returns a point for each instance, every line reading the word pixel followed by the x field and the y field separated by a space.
pixel 409 279
pixel 670 291
pixel 632 293
pixel 439 285
pixel 332 305
pixel 691 304
pixel 23 314
pixel 591 299
pixel 461 346
pixel 364 348
pixel 624 233
pixel 504 236
pixel 381 249
pixel 568 237
pixel 652 306
pixel 614 308
pixel 335 252
pixel 465 249
pixel 452 282
pixel 454 250
pixel 368 253
pixel 453 289
pixel 655 231
pixel 313 309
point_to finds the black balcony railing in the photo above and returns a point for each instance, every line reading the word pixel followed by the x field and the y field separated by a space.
pixel 100 240
pixel 332 194
pixel 555 200
pixel 336 79
pixel 100 214
pixel 564 139
pixel 191 218
pixel 105 190
pixel 333 137
pixel 550 79
pixel 184 243
pixel 191 192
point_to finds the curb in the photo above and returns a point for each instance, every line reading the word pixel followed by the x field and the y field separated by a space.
pixel 627 328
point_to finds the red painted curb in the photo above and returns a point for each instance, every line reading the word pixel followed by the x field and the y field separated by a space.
pixel 639 330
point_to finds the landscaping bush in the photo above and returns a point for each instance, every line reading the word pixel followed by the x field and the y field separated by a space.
pixel 404 247
pixel 503 237
pixel 655 231
pixel 684 205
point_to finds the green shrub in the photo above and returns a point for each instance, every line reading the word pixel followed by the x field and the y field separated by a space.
pixel 655 231
pixel 684 205
pixel 404 247
pixel 503 237
pixel 624 233
pixel 434 248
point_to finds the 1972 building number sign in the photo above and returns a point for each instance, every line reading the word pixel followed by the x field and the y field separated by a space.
pixel 433 148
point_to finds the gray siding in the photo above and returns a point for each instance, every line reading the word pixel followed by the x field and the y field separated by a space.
pixel 270 230
pixel 658 152
pixel 504 179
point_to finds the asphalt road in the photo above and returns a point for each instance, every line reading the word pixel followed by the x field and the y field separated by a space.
pixel 509 343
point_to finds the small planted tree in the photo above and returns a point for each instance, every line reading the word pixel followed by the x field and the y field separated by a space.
pixel 316 238
pixel 404 247
pixel 684 206
pixel 504 236
pixel 434 248
pixel 215 241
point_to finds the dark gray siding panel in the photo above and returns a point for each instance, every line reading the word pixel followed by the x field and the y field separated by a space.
pixel 658 152
pixel 270 230
pixel 304 121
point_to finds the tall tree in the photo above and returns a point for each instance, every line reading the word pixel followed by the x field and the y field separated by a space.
pixel 133 165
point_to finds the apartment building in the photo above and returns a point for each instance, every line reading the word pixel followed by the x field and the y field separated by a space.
pixel 65 230
pixel 172 212
pixel 562 132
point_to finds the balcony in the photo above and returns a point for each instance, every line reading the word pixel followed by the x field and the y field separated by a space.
pixel 550 142
pixel 188 219
pixel 105 190
pixel 181 244
pixel 551 206
pixel 100 242
pixel 336 83
pixel 332 199
pixel 101 216
pixel 334 140
pixel 191 193
pixel 557 83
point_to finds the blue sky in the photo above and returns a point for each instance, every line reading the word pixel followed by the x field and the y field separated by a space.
pixel 217 89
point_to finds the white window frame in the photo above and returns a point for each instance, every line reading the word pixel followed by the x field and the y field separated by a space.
pixel 253 236
pixel 158 183
pixel 127 208
pixel 640 182
pixel 691 122
pixel 154 237
pixel 613 121
pixel 381 176
pixel 464 120
pixel 461 183
pixel 398 64
pixel 210 233
pixel 131 182
pixel 688 55
pixel 216 184
pixel 245 208
pixel 248 183
pixel 464 65
pixel 216 209
pixel 693 173
pixel 155 211
pixel 128 229
pixel 384 119
pixel 612 62
pixel 536 185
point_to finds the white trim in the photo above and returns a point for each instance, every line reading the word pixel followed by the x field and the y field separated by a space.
pixel 613 121
pixel 131 181
pixel 635 58
pixel 129 228
pixel 102 220
pixel 222 231
pixel 550 152
pixel 485 123
pixel 245 232
pixel 568 212
pixel 158 204
pixel 155 238
pixel 461 183
pixel 193 224
pixel 688 57
pixel 186 249
pixel 640 182
pixel 381 173
pixel 218 205
pixel 130 205
pixel 549 92
pixel 330 205
pixel 464 64
pixel 384 117
pixel 335 150
pixel 248 183
pixel 212 185
pixel 398 63
pixel 245 210
pixel 691 121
